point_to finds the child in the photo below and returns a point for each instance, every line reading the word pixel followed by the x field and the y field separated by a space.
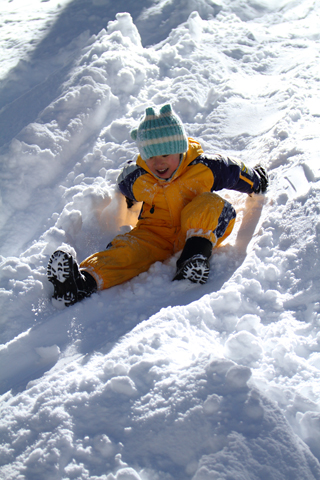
pixel 174 179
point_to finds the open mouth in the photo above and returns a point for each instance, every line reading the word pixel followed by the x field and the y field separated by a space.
pixel 163 171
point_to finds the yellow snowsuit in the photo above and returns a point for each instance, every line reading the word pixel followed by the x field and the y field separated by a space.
pixel 173 210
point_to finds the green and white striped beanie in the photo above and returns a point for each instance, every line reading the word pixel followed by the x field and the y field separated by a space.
pixel 160 134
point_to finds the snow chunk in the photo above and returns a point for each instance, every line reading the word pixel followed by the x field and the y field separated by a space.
pixel 250 323
pixel 243 347
pixel 238 376
pixel 122 385
pixel 253 408
pixel 212 404
pixel 195 25
pixel 70 222
pixel 48 353
pixel 125 474
pixel 73 470
pixel 125 25
pixel 228 300
pixel 104 445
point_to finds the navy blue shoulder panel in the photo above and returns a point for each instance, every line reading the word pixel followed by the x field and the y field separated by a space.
pixel 229 173
pixel 127 178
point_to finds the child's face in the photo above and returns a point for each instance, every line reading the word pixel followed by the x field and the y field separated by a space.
pixel 164 166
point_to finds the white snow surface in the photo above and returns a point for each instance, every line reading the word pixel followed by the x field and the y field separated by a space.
pixel 154 380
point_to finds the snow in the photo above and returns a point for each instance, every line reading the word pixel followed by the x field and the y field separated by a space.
pixel 152 380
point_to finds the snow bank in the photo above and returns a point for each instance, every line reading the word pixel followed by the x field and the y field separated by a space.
pixel 146 381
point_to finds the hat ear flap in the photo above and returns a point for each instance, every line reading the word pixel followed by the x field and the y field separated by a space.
pixel 134 134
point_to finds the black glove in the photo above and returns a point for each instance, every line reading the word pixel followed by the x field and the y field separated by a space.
pixel 264 179
pixel 130 202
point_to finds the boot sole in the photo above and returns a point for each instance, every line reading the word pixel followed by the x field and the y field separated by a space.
pixel 197 271
pixel 59 267
pixel 60 274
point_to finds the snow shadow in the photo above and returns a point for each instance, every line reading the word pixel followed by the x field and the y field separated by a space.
pixel 35 81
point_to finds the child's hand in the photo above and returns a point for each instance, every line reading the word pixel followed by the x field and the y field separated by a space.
pixel 264 179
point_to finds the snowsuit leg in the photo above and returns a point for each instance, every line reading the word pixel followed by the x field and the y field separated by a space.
pixel 128 256
pixel 208 215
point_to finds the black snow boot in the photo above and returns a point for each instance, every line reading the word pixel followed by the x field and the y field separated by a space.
pixel 193 263
pixel 70 284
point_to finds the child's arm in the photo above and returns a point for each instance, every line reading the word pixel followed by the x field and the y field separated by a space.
pixel 234 174
pixel 126 180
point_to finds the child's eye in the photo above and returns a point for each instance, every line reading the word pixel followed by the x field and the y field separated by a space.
pixel 164 156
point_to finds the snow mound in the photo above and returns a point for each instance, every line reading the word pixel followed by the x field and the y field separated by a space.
pixel 153 380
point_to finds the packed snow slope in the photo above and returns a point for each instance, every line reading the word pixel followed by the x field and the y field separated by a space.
pixel 154 380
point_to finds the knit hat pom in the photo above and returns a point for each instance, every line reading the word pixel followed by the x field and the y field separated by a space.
pixel 166 108
pixel 160 134
pixel 150 112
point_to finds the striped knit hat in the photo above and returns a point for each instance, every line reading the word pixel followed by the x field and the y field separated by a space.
pixel 161 134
